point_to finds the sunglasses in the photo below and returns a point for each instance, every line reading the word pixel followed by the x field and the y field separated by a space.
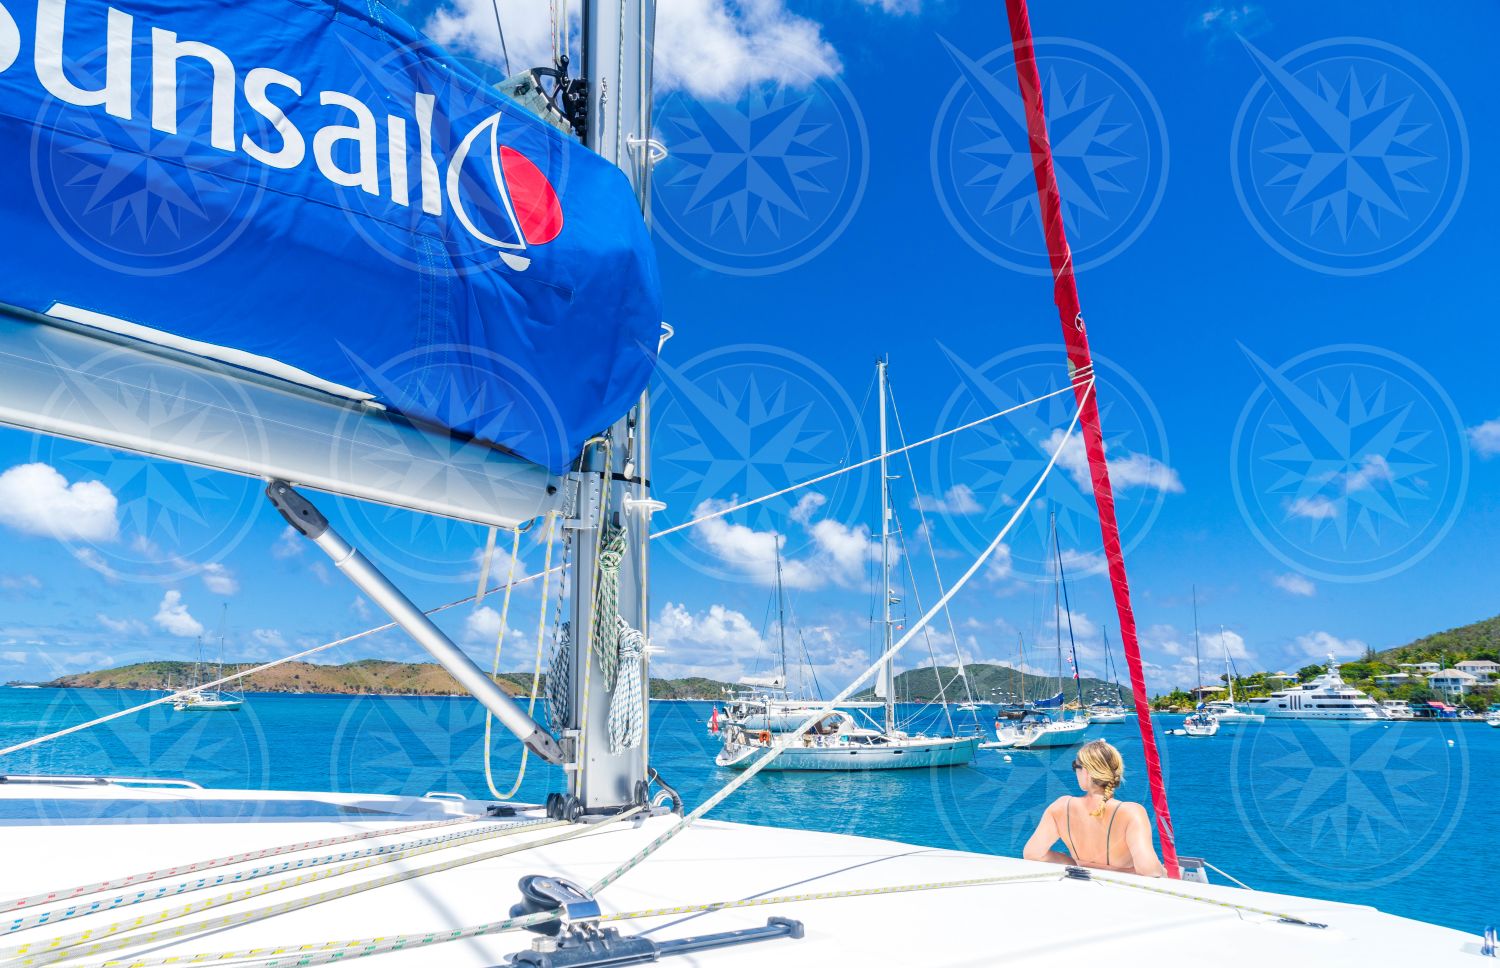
pixel 1077 766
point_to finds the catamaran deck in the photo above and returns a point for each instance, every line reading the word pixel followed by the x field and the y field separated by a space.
pixel 61 836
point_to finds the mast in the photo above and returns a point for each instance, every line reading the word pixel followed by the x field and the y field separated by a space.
pixel 1062 582
pixel 780 617
pixel 1197 656
pixel 1228 671
pixel 888 670
pixel 1081 372
pixel 618 36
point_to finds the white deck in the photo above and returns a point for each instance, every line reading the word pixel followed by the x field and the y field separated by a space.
pixel 1046 922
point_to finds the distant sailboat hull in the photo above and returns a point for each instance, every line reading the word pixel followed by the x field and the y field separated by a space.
pixel 904 755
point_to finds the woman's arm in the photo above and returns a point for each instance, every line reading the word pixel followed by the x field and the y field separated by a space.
pixel 1138 839
pixel 1039 847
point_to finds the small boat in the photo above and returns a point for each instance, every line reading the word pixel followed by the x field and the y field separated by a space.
pixel 207 701
pixel 1493 718
pixel 1201 723
pixel 1108 714
pixel 1227 711
pixel 1397 709
pixel 1107 709
pixel 1036 730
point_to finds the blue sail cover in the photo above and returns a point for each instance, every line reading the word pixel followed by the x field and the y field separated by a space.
pixel 1054 702
pixel 312 184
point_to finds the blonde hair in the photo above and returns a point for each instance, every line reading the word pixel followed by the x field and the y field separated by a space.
pixel 1105 768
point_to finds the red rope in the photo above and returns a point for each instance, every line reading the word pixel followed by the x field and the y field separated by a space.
pixel 1065 294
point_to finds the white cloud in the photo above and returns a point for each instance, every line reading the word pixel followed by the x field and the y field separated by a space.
pixel 20 583
pixel 36 499
pixel 959 499
pixel 1318 645
pixel 1125 471
pixel 1295 584
pixel 173 617
pixel 269 637
pixel 720 642
pixel 1485 438
pixel 848 550
pixel 1224 20
pixel 708 48
pixel 361 608
pixel 1373 468
pixel 16 657
pixel 288 545
pixel 752 552
pixel 218 579
pixel 998 568
pixel 807 505
pixel 122 626
pixel 895 6
pixel 1315 508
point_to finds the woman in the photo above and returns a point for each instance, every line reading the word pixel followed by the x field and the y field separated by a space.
pixel 1098 830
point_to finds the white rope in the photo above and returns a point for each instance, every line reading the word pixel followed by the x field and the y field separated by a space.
pixel 241 674
pixel 828 706
pixel 626 707
pixel 1070 388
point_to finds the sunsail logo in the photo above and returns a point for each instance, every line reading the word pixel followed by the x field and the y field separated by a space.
pixel 519 207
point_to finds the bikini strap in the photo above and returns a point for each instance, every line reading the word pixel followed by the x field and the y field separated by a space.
pixel 1109 830
pixel 1068 810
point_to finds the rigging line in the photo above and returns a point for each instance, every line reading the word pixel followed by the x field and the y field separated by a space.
pixel 1071 387
pixel 27 744
pixel 536 672
pixel 931 551
pixel 68 894
pixel 1072 642
pixel 776 748
pixel 311 875
pixel 332 951
pixel 515 555
pixel 221 922
pixel 84 909
pixel 942 695
pixel 501 30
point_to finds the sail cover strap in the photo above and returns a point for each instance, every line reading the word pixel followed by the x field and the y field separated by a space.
pixel 1065 294
pixel 313 187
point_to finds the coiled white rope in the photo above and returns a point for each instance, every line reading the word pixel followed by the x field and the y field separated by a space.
pixel 627 721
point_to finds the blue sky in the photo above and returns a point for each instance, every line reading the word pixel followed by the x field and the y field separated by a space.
pixel 1290 338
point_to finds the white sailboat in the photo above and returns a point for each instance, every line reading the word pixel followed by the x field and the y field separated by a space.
pixel 1227 711
pixel 1109 709
pixel 606 872
pixel 834 741
pixel 1202 721
pixel 201 699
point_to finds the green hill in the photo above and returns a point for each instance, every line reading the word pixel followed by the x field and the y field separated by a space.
pixel 1477 640
pixel 989 683
pixel 366 677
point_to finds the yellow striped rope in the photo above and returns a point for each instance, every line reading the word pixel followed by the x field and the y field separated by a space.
pixel 177 870
pixel 382 854
pixel 234 920
pixel 78 944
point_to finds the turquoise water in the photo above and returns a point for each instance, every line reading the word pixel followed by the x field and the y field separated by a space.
pixel 1402 816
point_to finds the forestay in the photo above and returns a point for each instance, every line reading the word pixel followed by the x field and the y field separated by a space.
pixel 311 190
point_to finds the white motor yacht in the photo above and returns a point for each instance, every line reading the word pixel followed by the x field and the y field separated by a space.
pixel 1396 709
pixel 1325 698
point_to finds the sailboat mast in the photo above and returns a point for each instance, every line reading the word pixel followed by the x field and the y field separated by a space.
pixel 888 671
pixel 780 617
pixel 1197 654
pixel 1228 672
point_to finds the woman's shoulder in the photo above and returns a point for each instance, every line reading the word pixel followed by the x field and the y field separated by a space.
pixel 1060 804
pixel 1129 810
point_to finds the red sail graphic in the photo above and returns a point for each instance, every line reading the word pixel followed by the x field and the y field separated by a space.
pixel 1065 294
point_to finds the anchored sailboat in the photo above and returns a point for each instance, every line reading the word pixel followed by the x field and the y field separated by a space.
pixel 831 739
